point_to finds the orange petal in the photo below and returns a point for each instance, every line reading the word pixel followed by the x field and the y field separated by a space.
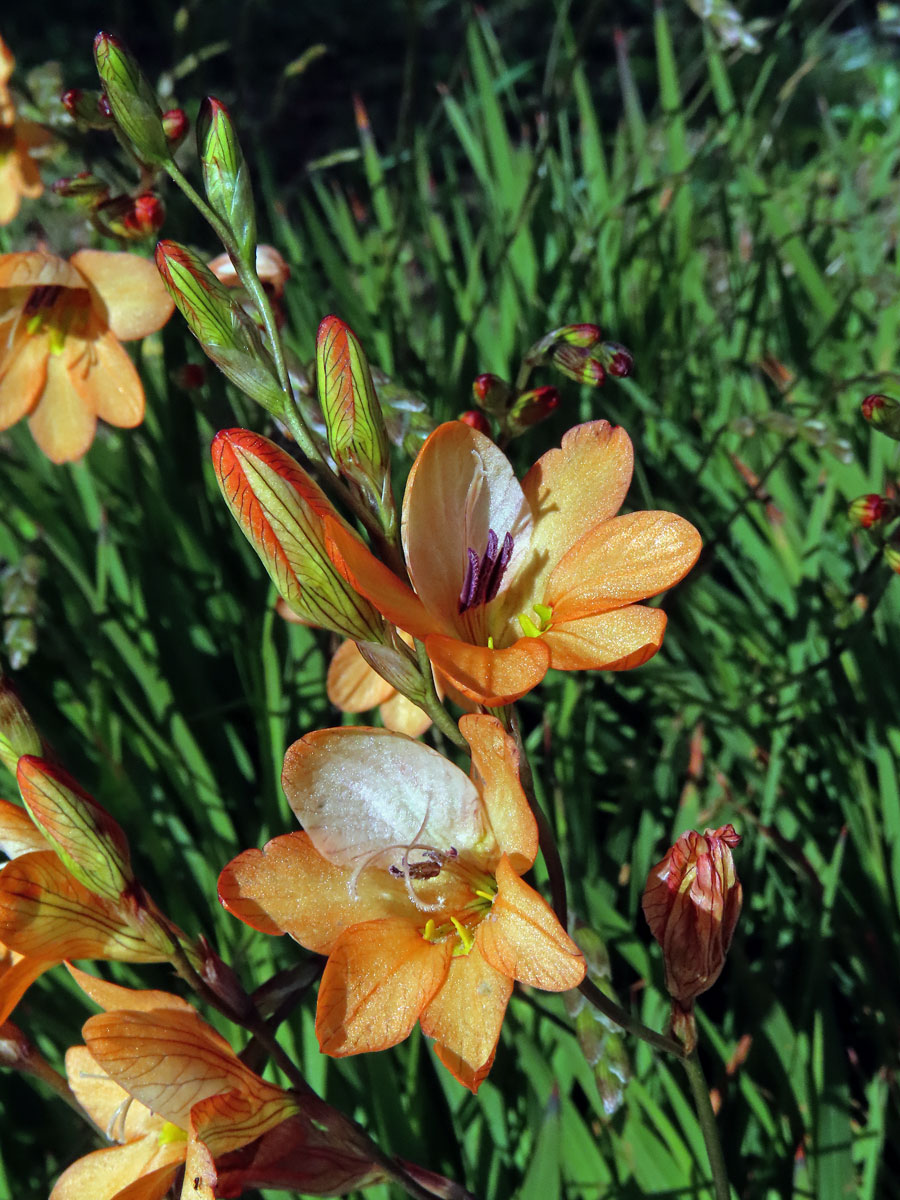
pixel 112 997
pixel 128 291
pixel 63 424
pixel 372 579
pixel 379 978
pixel 363 795
pixel 288 887
pixel 611 641
pixel 465 1017
pixel 18 833
pixel 15 981
pixel 32 268
pixel 23 378
pixel 523 938
pixel 103 1099
pixel 495 767
pixel 402 716
pixel 352 685
pixel 105 378
pixel 169 1060
pixel 460 487
pixel 225 1123
pixel 106 1174
pixel 620 561
pixel 46 913
pixel 491 677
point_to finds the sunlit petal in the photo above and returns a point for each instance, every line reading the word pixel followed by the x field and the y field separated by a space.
pixel 33 268
pixel 128 290
pixel 112 997
pixel 612 641
pixel 626 559
pixel 225 1123
pixel 17 978
pixel 106 380
pixel 495 765
pixel 492 677
pixel 466 1015
pixel 402 716
pixel 352 685
pixel 379 978
pixel 23 378
pixel 108 1104
pixel 105 1174
pixel 62 424
pixel 522 937
pixel 18 833
pixel 363 793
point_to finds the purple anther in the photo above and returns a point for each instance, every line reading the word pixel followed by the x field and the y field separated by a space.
pixel 484 575
pixel 44 295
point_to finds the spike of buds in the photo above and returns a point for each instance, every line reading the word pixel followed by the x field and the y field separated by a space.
pixel 884 413
pixel 88 109
pixel 867 511
pixel 225 175
pixel 91 845
pixel 692 902
pixel 18 735
pixel 132 101
pixel 532 407
pixel 220 325
pixel 354 422
pixel 175 125
pixel 577 364
pixel 132 218
pixel 476 420
pixel 493 394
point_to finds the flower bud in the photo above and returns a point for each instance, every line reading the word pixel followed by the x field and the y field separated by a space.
pixel 131 100
pixel 892 556
pixel 220 325
pixel 85 188
pixel 18 735
pixel 532 407
pixel 133 217
pixel 89 110
pixel 225 175
pixel 357 437
pixel 493 394
pixel 15 1048
pixel 884 413
pixel 189 376
pixel 868 510
pixel 616 358
pixel 272 270
pixel 90 844
pixel 476 420
pixel 575 363
pixel 175 126
pixel 692 901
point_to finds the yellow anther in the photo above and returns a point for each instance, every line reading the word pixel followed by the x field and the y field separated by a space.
pixel 429 933
pixel 531 628
pixel 485 896
pixel 467 940
pixel 490 643
pixel 171 1133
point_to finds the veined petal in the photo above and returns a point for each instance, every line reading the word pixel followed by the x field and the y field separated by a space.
pixel 23 378
pixel 379 978
pixel 106 1174
pixel 380 586
pixel 112 997
pixel 127 290
pixel 573 489
pixel 15 980
pixel 466 1015
pixel 495 767
pixel 522 937
pixel 491 677
pixel 105 378
pixel 169 1060
pixel 46 913
pixel 611 641
pixel 18 833
pixel 62 424
pixel 288 887
pixel 366 795
pixel 352 685
pixel 34 268
pixel 105 1101
pixel 620 561
pixel 460 487
pixel 225 1123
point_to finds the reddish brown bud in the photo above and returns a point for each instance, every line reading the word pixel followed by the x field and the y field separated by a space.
pixel 532 407
pixel 146 215
pixel 104 108
pixel 190 376
pixel 892 556
pixel 884 413
pixel 87 108
pixel 868 510
pixel 477 420
pixel 692 901
pixel 616 358
pixel 175 126
pixel 84 187
pixel 576 363
pixel 71 98
pixel 492 393
pixel 871 403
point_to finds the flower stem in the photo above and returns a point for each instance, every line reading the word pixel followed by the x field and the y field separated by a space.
pixel 707 1119
pixel 433 705
pixel 630 1024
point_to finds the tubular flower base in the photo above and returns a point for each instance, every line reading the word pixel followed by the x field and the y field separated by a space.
pixel 19 178
pixel 526 576
pixel 408 877
pixel 171 1092
pixel 61 362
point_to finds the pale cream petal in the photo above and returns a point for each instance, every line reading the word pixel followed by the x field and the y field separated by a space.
pixel 105 378
pixel 62 424
pixel 128 290
pixel 24 373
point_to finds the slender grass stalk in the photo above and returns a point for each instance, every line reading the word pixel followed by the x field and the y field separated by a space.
pixel 707 1119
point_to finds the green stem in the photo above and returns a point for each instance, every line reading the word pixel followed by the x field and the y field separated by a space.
pixel 707 1119
pixel 433 705
pixel 630 1024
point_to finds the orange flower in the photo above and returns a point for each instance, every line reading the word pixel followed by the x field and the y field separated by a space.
pixel 408 877
pixel 18 835
pixel 171 1091
pixel 18 174
pixel 60 356
pixel 511 579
